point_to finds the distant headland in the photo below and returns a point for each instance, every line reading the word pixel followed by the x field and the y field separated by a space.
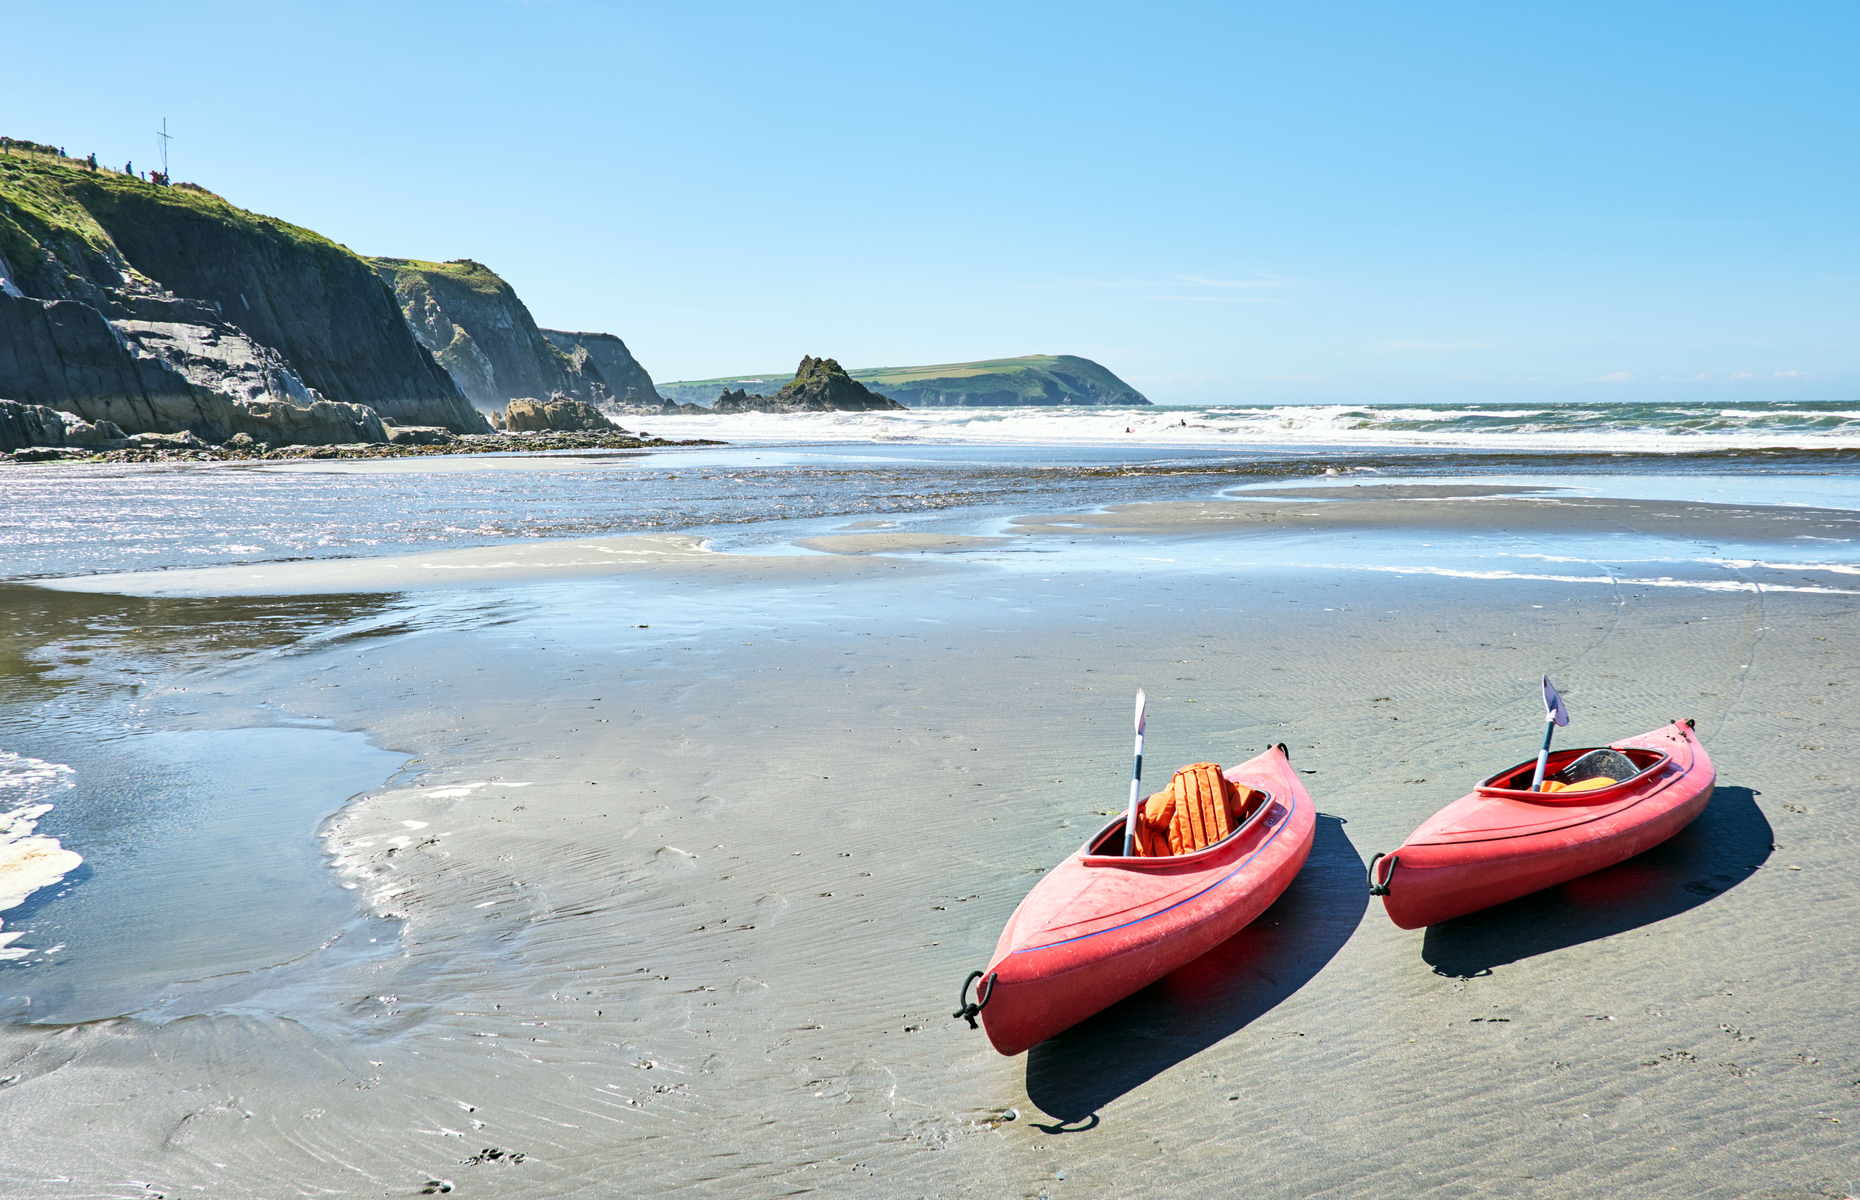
pixel 1033 379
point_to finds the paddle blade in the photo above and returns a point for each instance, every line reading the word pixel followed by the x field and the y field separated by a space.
pixel 1140 703
pixel 1554 708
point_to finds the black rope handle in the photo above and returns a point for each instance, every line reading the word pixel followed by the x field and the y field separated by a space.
pixel 1287 753
pixel 972 1008
pixel 1382 889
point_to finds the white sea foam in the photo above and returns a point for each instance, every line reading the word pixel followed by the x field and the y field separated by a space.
pixel 1702 585
pixel 1745 564
pixel 28 862
pixel 1654 429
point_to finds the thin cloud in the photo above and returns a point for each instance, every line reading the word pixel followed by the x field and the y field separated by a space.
pixel 1264 281
pixel 1219 299
pixel 1400 346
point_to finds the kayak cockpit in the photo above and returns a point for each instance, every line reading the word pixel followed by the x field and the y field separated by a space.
pixel 1107 847
pixel 1592 775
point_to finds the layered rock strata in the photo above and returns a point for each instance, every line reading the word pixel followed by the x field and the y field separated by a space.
pixel 604 357
pixel 477 328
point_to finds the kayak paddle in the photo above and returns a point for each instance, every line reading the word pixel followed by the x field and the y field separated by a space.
pixel 1555 713
pixel 1136 775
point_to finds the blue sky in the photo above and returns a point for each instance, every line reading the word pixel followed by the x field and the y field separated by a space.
pixel 1221 202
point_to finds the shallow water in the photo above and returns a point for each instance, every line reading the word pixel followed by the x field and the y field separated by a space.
pixel 65 519
pixel 195 812
pixel 200 861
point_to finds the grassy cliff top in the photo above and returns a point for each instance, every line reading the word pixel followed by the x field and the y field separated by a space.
pixel 1030 364
pixel 47 196
pixel 474 275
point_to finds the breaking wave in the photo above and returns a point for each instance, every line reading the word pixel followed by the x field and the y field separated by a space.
pixel 1567 428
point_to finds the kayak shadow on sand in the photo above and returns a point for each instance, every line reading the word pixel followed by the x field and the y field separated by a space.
pixel 1075 1073
pixel 1718 851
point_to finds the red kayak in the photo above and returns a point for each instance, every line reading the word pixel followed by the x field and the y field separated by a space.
pixel 1101 925
pixel 1503 840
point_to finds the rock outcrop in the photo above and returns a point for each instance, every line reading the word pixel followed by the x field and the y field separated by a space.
pixel 168 310
pixel 819 385
pixel 525 415
pixel 24 425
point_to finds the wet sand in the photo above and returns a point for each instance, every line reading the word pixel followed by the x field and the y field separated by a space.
pixel 701 852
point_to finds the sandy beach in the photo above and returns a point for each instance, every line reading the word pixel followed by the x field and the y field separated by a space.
pixel 691 851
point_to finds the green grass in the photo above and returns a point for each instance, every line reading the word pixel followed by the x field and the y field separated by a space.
pixel 41 191
pixel 50 197
pixel 474 275
pixel 987 366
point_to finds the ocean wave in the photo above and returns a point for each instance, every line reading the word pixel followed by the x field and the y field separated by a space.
pixel 1588 428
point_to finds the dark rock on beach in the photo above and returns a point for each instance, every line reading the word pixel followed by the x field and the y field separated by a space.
pixel 23 425
pixel 526 415
pixel 405 443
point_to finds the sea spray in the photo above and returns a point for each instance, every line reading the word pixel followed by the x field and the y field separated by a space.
pixel 28 861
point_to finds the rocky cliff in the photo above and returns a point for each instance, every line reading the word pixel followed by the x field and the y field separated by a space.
pixel 819 385
pixel 480 331
pixel 604 356
pixel 166 309
pixel 1033 379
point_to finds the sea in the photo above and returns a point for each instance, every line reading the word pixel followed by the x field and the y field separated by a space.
pixel 121 790
pixel 945 467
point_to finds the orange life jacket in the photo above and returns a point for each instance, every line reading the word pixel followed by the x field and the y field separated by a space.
pixel 1198 808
